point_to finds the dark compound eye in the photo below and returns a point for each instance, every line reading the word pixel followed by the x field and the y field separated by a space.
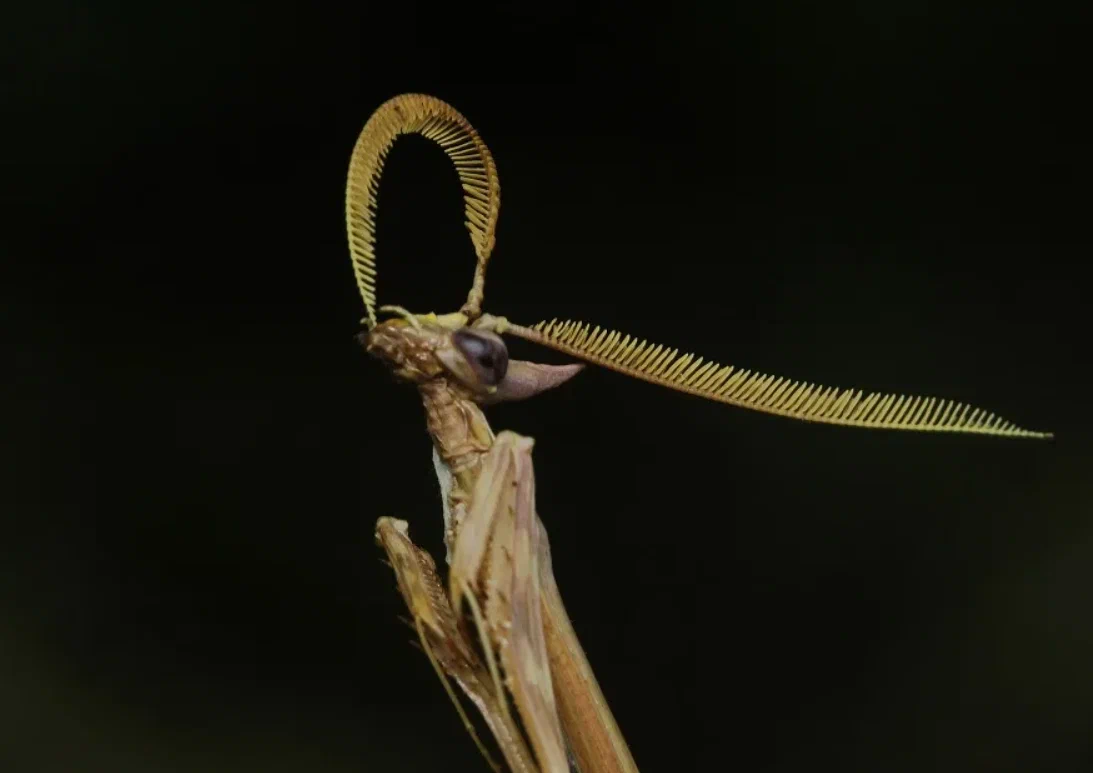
pixel 485 352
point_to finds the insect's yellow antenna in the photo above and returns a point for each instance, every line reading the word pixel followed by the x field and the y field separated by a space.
pixel 759 392
pixel 440 122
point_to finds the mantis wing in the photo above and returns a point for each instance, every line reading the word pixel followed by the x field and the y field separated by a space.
pixel 495 569
pixel 495 572
pixel 502 554
pixel 501 570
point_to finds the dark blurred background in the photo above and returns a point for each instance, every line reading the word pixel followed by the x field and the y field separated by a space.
pixel 195 450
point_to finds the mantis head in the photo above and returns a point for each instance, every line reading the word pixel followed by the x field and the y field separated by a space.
pixel 421 348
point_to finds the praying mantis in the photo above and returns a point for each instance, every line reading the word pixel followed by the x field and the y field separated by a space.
pixel 497 627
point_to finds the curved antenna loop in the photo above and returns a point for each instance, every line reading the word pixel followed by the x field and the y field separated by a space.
pixel 438 121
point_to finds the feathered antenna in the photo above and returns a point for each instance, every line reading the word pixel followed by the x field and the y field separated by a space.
pixel 440 122
pixel 759 392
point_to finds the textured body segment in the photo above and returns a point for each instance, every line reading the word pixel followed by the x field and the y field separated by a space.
pixel 461 438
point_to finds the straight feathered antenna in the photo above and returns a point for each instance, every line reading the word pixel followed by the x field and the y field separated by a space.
pixel 760 392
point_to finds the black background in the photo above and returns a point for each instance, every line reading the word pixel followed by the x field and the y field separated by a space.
pixel 195 450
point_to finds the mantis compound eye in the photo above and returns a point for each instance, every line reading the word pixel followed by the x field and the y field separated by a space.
pixel 485 352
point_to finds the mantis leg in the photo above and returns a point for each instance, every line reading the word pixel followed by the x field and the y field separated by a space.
pixel 447 647
pixel 593 735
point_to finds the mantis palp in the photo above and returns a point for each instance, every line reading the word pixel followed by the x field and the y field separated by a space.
pixel 499 628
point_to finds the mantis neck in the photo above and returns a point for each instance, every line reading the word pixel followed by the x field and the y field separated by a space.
pixel 461 438
pixel 456 424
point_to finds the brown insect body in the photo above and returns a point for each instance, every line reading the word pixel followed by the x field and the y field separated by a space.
pixel 495 554
pixel 499 557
